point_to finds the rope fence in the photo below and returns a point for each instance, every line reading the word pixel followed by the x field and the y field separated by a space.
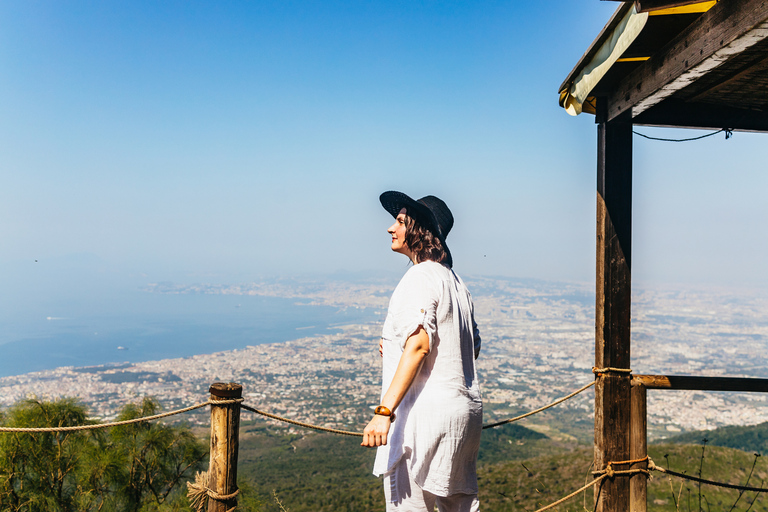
pixel 276 417
pixel 95 426
pixel 609 472
pixel 540 409
pixel 654 467
pixel 358 434
pixel 300 423
pixel 200 487
pixel 573 494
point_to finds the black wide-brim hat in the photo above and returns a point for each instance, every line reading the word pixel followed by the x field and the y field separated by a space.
pixel 430 212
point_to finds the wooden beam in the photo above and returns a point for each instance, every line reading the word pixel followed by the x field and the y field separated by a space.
pixel 701 383
pixel 676 113
pixel 725 30
pixel 649 5
pixel 614 237
pixel 683 114
pixel 662 5
pixel 638 448
pixel 736 81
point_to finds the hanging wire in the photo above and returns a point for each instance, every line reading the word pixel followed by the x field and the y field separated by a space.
pixel 728 135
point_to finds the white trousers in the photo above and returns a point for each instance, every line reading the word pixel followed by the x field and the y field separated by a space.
pixel 405 495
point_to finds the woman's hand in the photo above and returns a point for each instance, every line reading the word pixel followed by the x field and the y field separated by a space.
pixel 375 434
pixel 381 347
pixel 416 349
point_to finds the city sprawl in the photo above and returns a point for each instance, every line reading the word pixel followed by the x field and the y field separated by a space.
pixel 538 345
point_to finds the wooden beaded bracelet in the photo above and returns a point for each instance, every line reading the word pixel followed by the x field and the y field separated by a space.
pixel 384 411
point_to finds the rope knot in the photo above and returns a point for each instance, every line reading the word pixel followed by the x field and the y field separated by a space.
pixel 199 492
pixel 225 401
pixel 630 462
pixel 609 369
pixel 221 497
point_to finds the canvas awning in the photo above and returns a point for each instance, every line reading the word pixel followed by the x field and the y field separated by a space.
pixel 607 49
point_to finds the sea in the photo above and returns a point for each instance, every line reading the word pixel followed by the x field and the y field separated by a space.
pixel 135 325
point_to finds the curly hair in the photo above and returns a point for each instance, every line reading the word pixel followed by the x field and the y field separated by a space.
pixel 424 244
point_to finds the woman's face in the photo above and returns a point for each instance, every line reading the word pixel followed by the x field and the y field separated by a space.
pixel 397 230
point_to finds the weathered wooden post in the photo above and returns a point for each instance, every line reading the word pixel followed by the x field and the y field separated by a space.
pixel 225 425
pixel 638 448
pixel 612 311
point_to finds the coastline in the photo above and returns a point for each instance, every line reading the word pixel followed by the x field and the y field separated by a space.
pixel 538 342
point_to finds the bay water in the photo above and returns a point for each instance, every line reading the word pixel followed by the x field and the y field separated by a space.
pixel 135 325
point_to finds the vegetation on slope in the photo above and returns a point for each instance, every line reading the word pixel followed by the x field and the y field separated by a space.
pixel 325 472
pixel 519 470
pixel 138 467
pixel 142 467
pixel 720 464
pixel 752 438
pixel 533 483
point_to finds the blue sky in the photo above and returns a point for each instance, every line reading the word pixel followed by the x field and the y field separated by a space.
pixel 216 141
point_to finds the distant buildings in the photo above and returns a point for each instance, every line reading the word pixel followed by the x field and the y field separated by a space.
pixel 538 345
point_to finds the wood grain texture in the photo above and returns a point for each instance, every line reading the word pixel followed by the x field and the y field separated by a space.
pixel 638 448
pixel 225 427
pixel 612 312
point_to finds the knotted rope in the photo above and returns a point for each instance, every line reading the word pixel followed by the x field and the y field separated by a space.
pixel 608 472
pixel 609 369
pixel 199 492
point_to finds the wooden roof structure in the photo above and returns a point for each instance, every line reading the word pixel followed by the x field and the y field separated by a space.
pixel 677 63
pixel 697 65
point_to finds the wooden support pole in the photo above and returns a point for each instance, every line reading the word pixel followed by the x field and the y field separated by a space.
pixel 225 426
pixel 638 448
pixel 612 312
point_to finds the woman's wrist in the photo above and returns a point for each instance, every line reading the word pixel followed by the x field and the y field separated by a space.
pixel 382 410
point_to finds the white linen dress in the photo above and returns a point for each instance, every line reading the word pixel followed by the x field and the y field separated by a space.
pixel 438 423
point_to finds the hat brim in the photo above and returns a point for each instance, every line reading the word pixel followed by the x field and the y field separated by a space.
pixel 394 202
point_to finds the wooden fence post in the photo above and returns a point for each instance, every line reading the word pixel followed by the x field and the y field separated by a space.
pixel 225 426
pixel 638 448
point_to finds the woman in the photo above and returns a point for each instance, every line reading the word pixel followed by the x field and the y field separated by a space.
pixel 427 427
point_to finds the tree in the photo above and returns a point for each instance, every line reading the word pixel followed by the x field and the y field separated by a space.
pixel 42 472
pixel 153 458
pixel 128 468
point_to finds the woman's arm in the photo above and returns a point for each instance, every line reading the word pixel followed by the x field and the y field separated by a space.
pixel 416 349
